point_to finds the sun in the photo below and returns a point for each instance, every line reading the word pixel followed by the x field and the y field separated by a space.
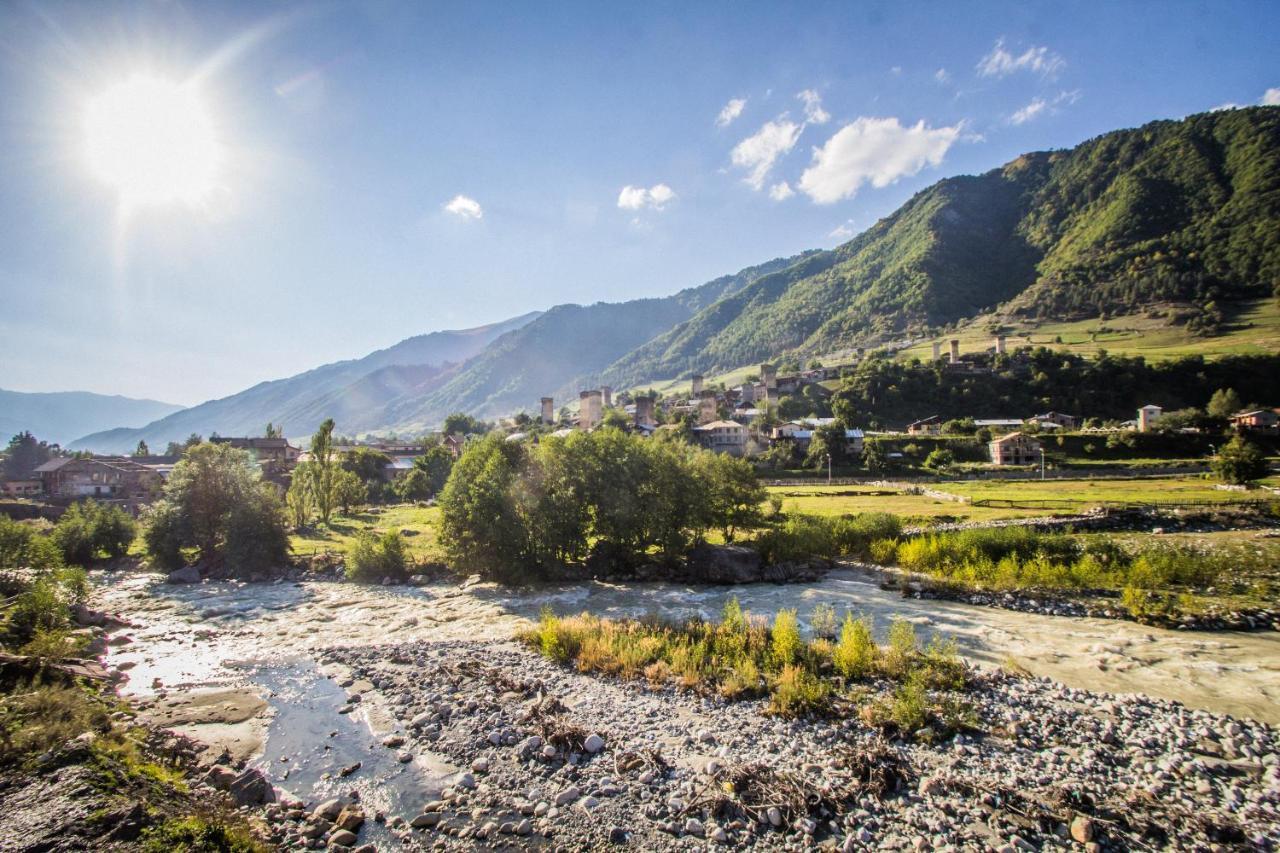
pixel 153 141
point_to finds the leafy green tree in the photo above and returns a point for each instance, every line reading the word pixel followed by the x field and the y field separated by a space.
pixel 728 492
pixel 436 464
pixel 460 423
pixel 25 454
pixel 1240 461
pixel 480 525
pixel 349 491
pixel 1224 403
pixel 369 465
pixel 216 503
pixel 89 530
pixel 875 456
pixel 370 558
pixel 939 459
pixel 828 439
pixel 274 431
pixel 142 449
pixel 322 471
pixel 298 504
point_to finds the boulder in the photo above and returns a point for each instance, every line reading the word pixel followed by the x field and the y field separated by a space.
pixel 220 777
pixel 722 564
pixel 593 744
pixel 251 788
pixel 186 574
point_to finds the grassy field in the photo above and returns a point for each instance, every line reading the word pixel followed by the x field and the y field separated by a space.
pixel 850 500
pixel 420 544
pixel 1255 330
pixel 1161 489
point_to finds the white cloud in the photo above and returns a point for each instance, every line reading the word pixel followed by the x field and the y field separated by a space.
pixel 1040 106
pixel 874 150
pixel 1271 98
pixel 731 111
pixel 1040 60
pixel 942 76
pixel 813 111
pixel 896 70
pixel 638 198
pixel 1227 106
pixel 781 191
pixel 1029 112
pixel 758 152
pixel 467 208
pixel 843 231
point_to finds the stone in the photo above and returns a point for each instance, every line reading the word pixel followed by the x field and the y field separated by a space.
pixel 425 820
pixel 548 752
pixel 393 741
pixel 693 826
pixel 723 564
pixel 568 795
pixel 186 574
pixel 349 769
pixel 351 818
pixel 931 786
pixel 480 765
pixel 329 809
pixel 220 777
pixel 719 836
pixel 251 788
pixel 342 838
pixel 588 804
pixel 1082 829
pixel 466 780
pixel 593 744
pixel 774 815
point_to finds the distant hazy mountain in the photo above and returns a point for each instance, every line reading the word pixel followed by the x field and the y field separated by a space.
pixel 60 416
pixel 351 392
pixel 566 347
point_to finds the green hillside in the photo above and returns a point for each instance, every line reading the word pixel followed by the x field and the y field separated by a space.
pixel 1175 211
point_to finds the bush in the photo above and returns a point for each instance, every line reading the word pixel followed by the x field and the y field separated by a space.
pixel 372 558
pixel 196 834
pixel 1240 462
pixel 44 607
pixel 256 537
pixel 89 530
pixel 797 691
pixel 856 653
pixel 785 643
pixel 822 622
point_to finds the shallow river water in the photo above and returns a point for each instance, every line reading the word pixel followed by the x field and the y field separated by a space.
pixel 205 654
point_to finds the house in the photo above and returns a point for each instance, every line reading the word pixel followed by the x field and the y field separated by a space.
pixel 23 488
pixel 274 450
pixel 722 437
pixel 998 424
pixel 931 425
pixel 116 477
pixel 1058 419
pixel 1147 417
pixel 1257 420
pixel 454 443
pixel 1016 448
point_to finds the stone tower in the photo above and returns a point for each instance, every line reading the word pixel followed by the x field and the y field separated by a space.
pixel 548 410
pixel 589 410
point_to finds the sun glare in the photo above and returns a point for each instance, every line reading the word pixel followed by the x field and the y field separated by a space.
pixel 153 141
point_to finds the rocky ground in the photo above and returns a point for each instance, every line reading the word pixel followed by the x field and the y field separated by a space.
pixel 553 758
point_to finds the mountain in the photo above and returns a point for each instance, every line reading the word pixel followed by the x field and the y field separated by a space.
pixel 1174 211
pixel 566 347
pixel 61 416
pixel 352 392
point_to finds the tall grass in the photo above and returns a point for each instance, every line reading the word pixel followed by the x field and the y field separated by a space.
pixel 799 537
pixel 742 657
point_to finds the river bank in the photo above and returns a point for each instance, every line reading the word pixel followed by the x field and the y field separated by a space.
pixel 197 656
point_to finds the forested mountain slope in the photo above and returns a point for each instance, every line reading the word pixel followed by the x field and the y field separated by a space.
pixel 1175 210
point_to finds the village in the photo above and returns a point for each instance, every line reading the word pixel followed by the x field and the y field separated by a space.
pixel 742 420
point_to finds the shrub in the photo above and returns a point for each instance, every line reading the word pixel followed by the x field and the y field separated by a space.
pixel 797 691
pixel 822 622
pixel 1240 461
pixel 855 655
pixel 88 530
pixel 37 717
pixel 196 834
pixel 372 558
pixel 256 533
pixel 902 649
pixel 784 639
pixel 44 606
pixel 743 680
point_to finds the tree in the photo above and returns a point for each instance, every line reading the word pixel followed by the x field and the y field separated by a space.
pixel 729 491
pixel 297 502
pixel 348 491
pixel 428 476
pixel 369 466
pixel 193 440
pixel 216 503
pixel 1224 403
pixel 828 440
pixel 25 454
pixel 939 459
pixel 322 471
pixel 460 423
pixel 1240 461
pixel 480 526
pixel 875 457
pixel 174 449
pixel 274 431
pixel 142 449
pixel 89 530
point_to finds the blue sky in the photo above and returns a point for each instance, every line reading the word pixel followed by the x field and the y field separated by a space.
pixel 391 169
